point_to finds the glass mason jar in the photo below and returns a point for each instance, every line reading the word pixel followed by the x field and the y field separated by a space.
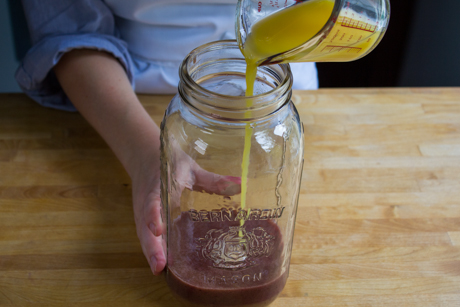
pixel 229 224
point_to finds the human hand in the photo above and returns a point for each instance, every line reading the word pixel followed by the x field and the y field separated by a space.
pixel 147 201
pixel 98 86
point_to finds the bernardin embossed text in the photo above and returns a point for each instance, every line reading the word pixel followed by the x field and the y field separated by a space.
pixel 224 215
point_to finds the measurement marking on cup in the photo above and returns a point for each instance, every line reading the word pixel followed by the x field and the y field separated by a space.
pixel 332 48
pixel 358 25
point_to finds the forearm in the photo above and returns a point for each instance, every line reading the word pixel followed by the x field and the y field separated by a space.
pixel 97 85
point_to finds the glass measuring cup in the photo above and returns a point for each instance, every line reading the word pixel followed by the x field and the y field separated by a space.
pixel 281 31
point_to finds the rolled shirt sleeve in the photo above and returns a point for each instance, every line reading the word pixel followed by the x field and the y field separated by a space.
pixel 57 27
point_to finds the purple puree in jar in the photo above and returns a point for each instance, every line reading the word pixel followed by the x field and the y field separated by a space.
pixel 225 264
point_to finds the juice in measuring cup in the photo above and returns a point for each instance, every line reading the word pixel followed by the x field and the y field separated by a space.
pixel 316 31
pixel 285 30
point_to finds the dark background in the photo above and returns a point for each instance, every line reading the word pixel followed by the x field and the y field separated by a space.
pixel 420 48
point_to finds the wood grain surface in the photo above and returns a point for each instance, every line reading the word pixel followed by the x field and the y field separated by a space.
pixel 378 221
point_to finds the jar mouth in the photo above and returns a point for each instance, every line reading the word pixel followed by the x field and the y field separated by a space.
pixel 209 71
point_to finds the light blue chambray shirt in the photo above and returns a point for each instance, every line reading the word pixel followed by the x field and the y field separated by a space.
pixel 148 37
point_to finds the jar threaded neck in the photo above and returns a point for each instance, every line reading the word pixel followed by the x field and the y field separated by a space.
pixel 212 81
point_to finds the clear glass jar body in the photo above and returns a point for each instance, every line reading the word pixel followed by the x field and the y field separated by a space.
pixel 219 251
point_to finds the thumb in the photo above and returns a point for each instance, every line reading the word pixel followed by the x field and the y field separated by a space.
pixel 214 183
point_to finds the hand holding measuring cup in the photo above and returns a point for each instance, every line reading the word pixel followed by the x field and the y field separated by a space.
pixel 283 31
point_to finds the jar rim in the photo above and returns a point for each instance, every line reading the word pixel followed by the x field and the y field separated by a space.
pixel 213 102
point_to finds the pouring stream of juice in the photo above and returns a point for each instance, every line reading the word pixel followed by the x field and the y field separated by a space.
pixel 274 36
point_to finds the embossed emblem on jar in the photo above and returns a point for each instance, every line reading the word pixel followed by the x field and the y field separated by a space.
pixel 236 248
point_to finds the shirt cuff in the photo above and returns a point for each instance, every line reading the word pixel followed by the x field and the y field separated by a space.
pixel 305 76
pixel 37 79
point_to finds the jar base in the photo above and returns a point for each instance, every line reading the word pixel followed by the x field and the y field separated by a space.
pixel 184 303
pixel 191 296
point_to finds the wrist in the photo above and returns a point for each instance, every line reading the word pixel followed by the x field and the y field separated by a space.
pixel 139 148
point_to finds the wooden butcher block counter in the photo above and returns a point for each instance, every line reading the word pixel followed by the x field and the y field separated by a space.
pixel 378 221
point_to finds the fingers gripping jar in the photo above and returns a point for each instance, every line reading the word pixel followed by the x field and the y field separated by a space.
pixel 223 250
